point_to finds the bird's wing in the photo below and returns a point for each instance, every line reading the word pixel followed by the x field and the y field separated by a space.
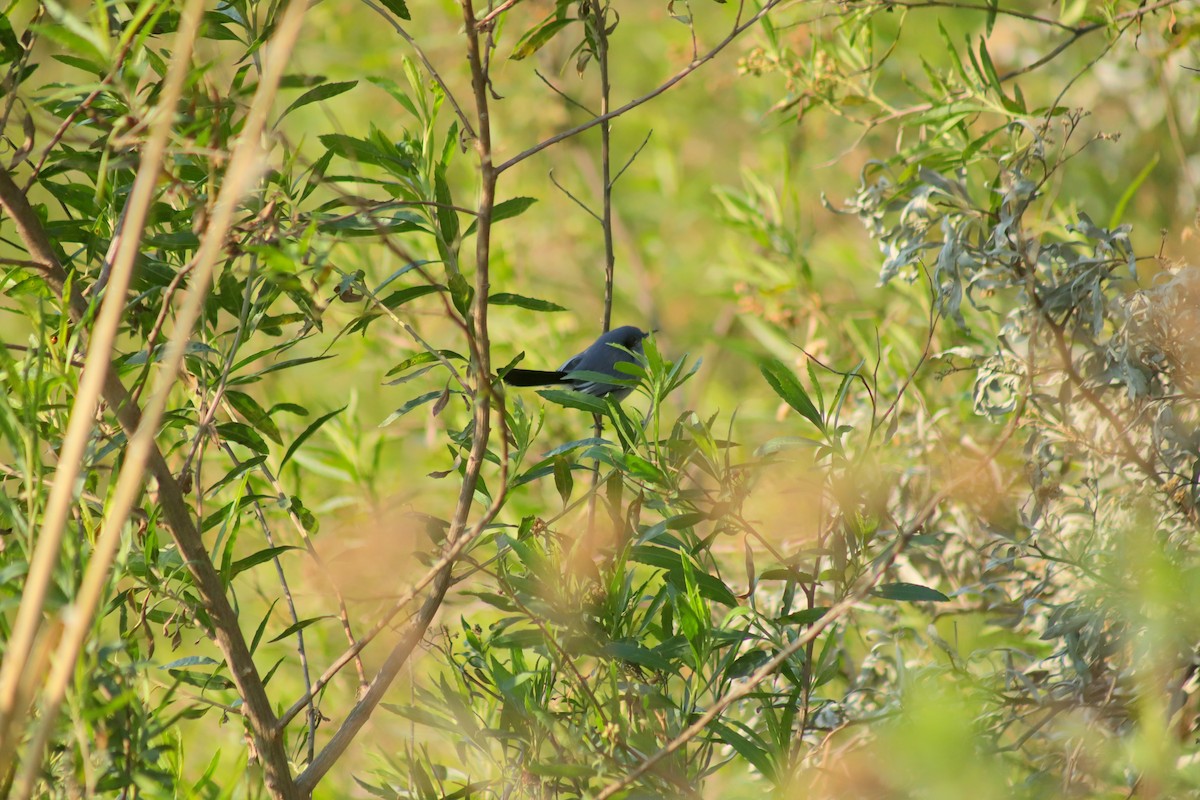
pixel 571 363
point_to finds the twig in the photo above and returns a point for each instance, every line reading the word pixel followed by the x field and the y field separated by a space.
pixel 575 199
pixel 632 158
pixel 20 348
pixel 301 651
pixel 737 31
pixel 84 104
pixel 9 87
pixel 974 7
pixel 486 19
pixel 152 337
pixel 322 567
pixel 483 395
pixel 564 95
pixel 599 31
pixel 428 66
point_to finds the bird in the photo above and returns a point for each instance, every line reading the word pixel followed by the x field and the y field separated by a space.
pixel 601 356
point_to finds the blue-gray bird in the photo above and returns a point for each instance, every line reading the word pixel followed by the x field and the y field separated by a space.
pixel 601 356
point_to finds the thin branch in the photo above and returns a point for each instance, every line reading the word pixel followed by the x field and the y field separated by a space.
pixel 564 95
pixel 118 62
pixel 301 651
pixel 737 31
pixel 20 348
pixel 487 19
pixel 21 262
pixel 988 8
pixel 632 158
pixel 483 395
pixel 600 31
pixel 575 199
pixel 447 558
pixel 428 66
pixel 599 36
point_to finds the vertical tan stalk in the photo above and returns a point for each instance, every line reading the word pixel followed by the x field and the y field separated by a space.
pixel 142 449
pixel 83 411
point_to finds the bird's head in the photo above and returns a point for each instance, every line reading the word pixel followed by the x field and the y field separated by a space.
pixel 627 336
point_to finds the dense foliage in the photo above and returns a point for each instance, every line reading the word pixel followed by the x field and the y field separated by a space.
pixel 906 501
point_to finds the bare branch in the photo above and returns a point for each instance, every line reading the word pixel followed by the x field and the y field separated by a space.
pixel 458 535
pixel 737 31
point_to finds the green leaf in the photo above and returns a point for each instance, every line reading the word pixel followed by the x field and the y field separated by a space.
pixel 747 749
pixel 307 519
pixel 76 36
pixel 353 149
pixel 558 769
pixel 641 469
pixel 191 661
pixel 402 296
pixel 569 398
pixel 423 716
pixel 1119 209
pixel 309 431
pixel 746 664
pixel 393 88
pixel 282 365
pixel 409 406
pixel 243 435
pixel 514 206
pixel 447 217
pixel 636 653
pixel 672 561
pixel 262 626
pixel 911 592
pixel 288 408
pixel 240 469
pixel 264 555
pixel 787 386
pixel 296 627
pixel 397 7
pixel 575 445
pixel 563 481
pixel 786 574
pixel 989 69
pixel 461 293
pixel 806 617
pixel 780 443
pixel 423 357
pixel 537 37
pixel 318 94
pixel 531 303
pixel 254 414
pixel 10 48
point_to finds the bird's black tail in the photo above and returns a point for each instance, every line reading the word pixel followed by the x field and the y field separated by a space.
pixel 534 377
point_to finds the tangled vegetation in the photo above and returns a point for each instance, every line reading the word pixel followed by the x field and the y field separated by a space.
pixel 905 503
